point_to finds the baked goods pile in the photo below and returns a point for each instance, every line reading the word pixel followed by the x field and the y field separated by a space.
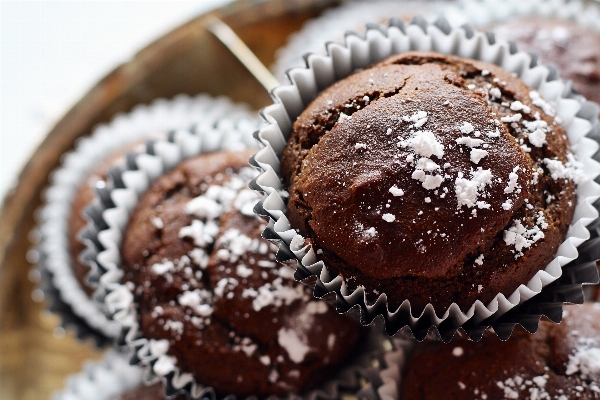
pixel 432 189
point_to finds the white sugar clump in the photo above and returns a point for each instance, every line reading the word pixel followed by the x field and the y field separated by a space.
pixel 204 207
pixel 395 191
pixel 343 117
pixel 477 155
pixel 202 233
pixel 537 131
pixel 427 164
pixel 534 386
pixel 466 128
pixel 274 294
pixel 157 222
pixel 469 141
pixel 523 238
pixel 245 201
pixel 235 245
pixel 537 100
pixel 388 217
pixel 569 170
pixel 432 181
pixel 294 344
pixel 242 271
pixel 511 118
pixel 512 181
pixel 419 119
pixel 225 287
pixel 163 268
pixel 468 190
pixel 518 106
pixel 458 351
pixel 198 300
pixel 371 232
pixel 425 144
pixel 586 361
pixel 316 307
pixel 495 93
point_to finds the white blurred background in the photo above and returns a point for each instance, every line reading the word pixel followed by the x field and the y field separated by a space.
pixel 52 52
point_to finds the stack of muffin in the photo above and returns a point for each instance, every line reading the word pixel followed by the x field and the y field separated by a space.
pixel 436 191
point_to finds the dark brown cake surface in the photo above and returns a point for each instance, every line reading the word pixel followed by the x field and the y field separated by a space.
pixel 560 361
pixel 431 178
pixel 571 47
pixel 207 284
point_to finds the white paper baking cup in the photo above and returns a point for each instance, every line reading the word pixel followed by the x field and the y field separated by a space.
pixel 114 209
pixel 101 380
pixel 578 118
pixel 160 117
pixel 349 16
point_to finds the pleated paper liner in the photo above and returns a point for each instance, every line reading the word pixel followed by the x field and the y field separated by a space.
pixel 102 380
pixel 62 290
pixel 577 115
pixel 110 215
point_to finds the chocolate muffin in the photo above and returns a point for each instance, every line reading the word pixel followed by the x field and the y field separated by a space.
pixel 559 361
pixel 209 292
pixel 573 48
pixel 430 178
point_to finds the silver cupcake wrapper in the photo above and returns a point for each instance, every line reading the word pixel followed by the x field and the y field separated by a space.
pixel 578 118
pixel 54 260
pixel 102 380
pixel 110 216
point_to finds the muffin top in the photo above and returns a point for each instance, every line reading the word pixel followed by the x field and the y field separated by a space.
pixel 571 47
pixel 435 169
pixel 559 361
pixel 211 297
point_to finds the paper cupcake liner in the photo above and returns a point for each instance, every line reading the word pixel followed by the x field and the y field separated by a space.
pixel 75 307
pixel 577 115
pixel 101 380
pixel 111 215
pixel 350 16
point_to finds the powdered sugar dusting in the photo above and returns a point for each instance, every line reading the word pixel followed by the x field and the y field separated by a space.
pixel 468 190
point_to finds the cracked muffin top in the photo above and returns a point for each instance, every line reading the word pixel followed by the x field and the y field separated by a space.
pixel 210 296
pixel 431 178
